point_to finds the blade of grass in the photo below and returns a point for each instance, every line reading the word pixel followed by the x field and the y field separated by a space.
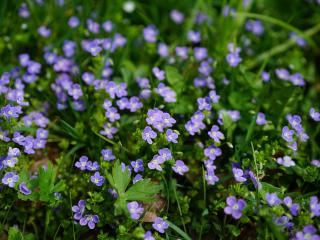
pixel 278 22
pixel 179 231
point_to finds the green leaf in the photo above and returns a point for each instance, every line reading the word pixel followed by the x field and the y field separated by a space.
pixel 47 184
pixel 179 231
pixel 14 234
pixel 119 179
pixel 143 190
pixel 174 78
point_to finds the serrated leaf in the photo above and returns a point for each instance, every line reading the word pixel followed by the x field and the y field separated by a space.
pixel 143 190
pixel 120 179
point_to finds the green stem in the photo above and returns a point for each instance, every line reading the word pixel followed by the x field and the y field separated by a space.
pixel 179 208
pixel 279 48
pixel 73 233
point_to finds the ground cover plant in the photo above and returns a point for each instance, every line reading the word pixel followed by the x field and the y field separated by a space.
pixel 191 119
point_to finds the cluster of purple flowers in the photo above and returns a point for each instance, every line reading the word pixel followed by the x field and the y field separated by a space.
pixel 88 219
pixel 195 125
pixel 296 79
pixel 273 200
pixel 286 161
pixel 85 164
pixel 167 93
pixel 233 57
pixel 10 111
pixel 163 155
pixel 298 131
pixel 159 120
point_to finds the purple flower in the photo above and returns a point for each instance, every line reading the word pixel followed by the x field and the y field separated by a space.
pixel 254 180
pixel 24 59
pixel 24 11
pixel 165 154
pixel 113 193
pixel 167 93
pixel 315 163
pixel 295 122
pixel 180 167
pixel 215 134
pixel 44 31
pixel 308 232
pixel 172 136
pixel 73 22
pixel 314 206
pixel 210 176
pixel 24 189
pixel 214 96
pixel 108 130
pixel 122 103
pixel 155 163
pixel 50 58
pixel 200 53
pixel 137 165
pixel 297 79
pixel 148 236
pixel 90 220
pixel 93 26
pixel 204 103
pixel 299 40
pixel 134 104
pixel 9 111
pixel 238 174
pixel 177 16
pixel 82 163
pixel 283 74
pixel 107 26
pixel 265 76
pixel 10 179
pixel 148 134
pixel 212 152
pixel 137 178
pixel 42 133
pixel 150 33
pixel 75 91
pixel 233 59
pixel 107 154
pixel 255 26
pixel 79 209
pixel 314 115
pixel 163 50
pixel 272 199
pixel 10 161
pixel 205 68
pixel 4 135
pixel 235 207
pixel 261 119
pixel 69 48
pixel 160 225
pixel 287 134
pixel 286 161
pixel 112 114
pixel 93 166
pixel 194 36
pixel 294 207
pixel 97 179
pixel 182 52
pixel 135 209
pixel 158 73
